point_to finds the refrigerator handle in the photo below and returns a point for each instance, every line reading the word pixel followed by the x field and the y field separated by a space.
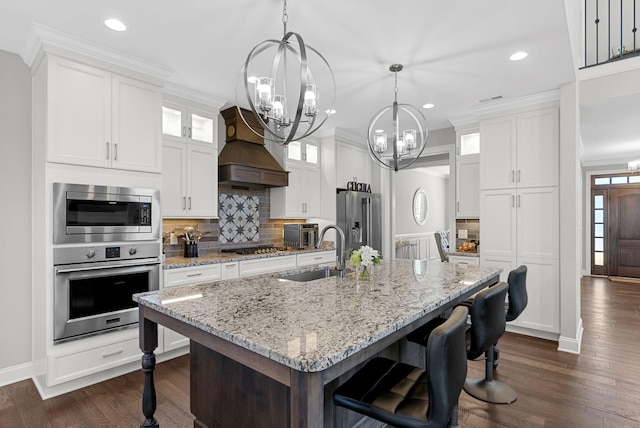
pixel 366 219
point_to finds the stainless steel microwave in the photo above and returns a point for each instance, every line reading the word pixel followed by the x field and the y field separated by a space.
pixel 87 213
pixel 300 234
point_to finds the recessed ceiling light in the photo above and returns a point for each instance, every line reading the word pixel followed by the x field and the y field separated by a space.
pixel 428 105
pixel 115 24
pixel 518 56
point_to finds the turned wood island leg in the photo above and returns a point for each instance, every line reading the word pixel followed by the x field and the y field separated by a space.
pixel 148 343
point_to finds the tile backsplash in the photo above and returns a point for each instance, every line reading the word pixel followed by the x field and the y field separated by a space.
pixel 239 218
pixel 472 226
pixel 267 231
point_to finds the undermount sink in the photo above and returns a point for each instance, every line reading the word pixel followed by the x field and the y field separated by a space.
pixel 311 275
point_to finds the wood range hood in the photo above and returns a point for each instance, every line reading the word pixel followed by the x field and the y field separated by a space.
pixel 244 160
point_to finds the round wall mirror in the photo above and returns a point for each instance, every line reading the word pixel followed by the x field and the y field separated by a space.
pixel 420 207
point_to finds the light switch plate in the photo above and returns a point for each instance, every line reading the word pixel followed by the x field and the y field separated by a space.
pixel 462 234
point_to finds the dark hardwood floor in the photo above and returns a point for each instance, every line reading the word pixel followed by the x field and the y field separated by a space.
pixel 598 388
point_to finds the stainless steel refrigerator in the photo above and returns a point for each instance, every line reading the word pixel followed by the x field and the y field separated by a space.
pixel 359 215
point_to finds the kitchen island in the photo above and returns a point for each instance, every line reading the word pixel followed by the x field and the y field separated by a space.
pixel 266 351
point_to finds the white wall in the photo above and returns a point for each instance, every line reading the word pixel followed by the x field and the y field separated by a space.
pixel 407 181
pixel 15 215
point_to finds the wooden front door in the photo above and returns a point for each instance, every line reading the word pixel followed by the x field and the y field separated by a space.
pixel 624 236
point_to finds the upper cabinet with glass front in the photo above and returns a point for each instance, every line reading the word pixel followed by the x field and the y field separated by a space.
pixel 304 152
pixel 469 144
pixel 183 123
pixel 468 174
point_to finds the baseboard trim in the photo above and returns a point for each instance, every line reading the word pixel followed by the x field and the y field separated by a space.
pixel 16 373
pixel 570 344
pixel 624 279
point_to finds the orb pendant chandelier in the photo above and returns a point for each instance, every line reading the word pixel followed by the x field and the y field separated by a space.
pixel 390 146
pixel 281 90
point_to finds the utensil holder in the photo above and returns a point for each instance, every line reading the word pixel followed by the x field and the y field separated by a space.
pixel 190 250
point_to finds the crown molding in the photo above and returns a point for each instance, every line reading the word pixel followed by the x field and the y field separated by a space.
pixel 464 122
pixel 193 95
pixel 42 38
pixel 552 96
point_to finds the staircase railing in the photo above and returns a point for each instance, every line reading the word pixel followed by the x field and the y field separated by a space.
pixel 610 31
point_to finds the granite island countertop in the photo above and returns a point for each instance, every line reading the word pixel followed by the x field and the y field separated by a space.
pixel 310 326
pixel 213 258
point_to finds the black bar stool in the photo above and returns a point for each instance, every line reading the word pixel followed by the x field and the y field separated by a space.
pixel 406 396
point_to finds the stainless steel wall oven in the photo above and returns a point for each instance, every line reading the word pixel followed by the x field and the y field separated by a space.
pixel 87 213
pixel 93 286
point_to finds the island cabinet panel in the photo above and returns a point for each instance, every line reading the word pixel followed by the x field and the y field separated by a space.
pixel 225 393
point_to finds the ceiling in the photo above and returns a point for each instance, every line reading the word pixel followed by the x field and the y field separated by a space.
pixel 455 53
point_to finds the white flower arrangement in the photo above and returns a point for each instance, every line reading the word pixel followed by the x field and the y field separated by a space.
pixel 365 256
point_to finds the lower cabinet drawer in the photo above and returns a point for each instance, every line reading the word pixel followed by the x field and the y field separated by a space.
pixel 192 275
pixel 317 258
pixel 173 340
pixel 63 368
pixel 464 260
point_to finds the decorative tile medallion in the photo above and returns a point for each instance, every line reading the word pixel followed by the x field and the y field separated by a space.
pixel 239 218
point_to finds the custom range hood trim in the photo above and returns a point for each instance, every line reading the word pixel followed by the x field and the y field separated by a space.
pixel 244 160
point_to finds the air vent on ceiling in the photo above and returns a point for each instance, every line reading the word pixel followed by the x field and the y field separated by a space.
pixel 497 97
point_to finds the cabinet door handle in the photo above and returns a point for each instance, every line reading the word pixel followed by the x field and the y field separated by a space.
pixel 107 150
pixel 111 354
pixel 518 176
pixel 512 173
pixel 184 203
pixel 513 201
pixel 518 201
pixel 458 206
pixel 189 132
pixel 230 264
pixel 184 131
pixel 189 202
pixel 189 275
pixel 115 151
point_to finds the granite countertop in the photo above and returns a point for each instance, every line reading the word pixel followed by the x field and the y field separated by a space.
pixel 213 258
pixel 310 326
pixel 464 253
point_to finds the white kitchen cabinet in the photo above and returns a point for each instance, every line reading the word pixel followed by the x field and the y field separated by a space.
pixel 301 198
pixel 520 226
pixel 189 169
pixel 468 187
pixel 520 150
pixel 186 276
pixel 101 119
pixel 230 270
pixel 353 163
pixel 189 124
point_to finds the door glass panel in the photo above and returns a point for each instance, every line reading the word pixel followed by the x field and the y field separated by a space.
pixel 598 201
pixel 598 230
pixel 618 180
pixel 171 122
pixel 598 216
pixel 598 244
pixel 294 150
pixel 312 154
pixel 469 144
pixel 601 181
pixel 201 128
pixel 598 259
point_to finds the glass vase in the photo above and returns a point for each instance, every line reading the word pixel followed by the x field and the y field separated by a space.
pixel 364 273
